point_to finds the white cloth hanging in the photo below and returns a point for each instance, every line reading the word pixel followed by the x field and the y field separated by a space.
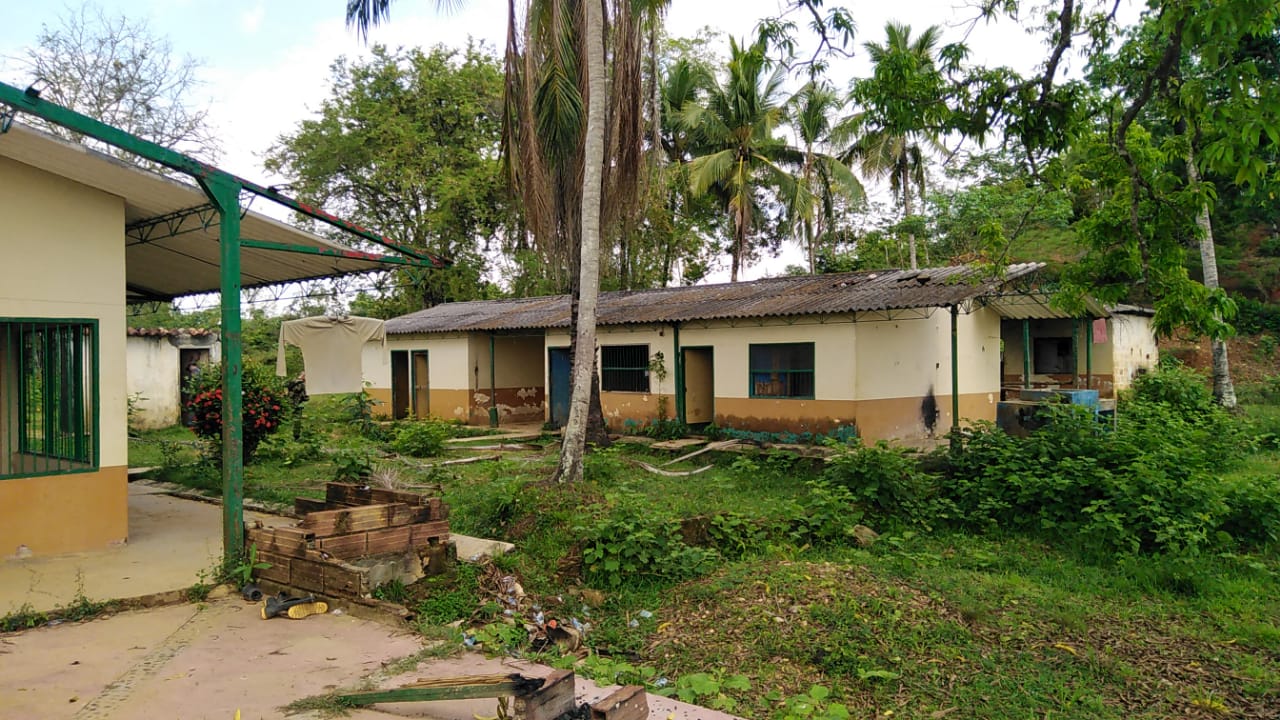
pixel 331 350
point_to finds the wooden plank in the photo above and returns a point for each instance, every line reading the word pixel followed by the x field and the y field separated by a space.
pixel 356 519
pixel 340 580
pixel 307 574
pixel 364 495
pixel 345 547
pixel 274 541
pixel 302 505
pixel 390 540
pixel 625 703
pixel 278 570
pixel 553 699
pixel 423 533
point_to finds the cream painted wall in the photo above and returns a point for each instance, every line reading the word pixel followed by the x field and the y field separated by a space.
pixel 448 360
pixel 659 338
pixel 67 246
pixel 833 352
pixel 1134 346
pixel 520 361
pixel 154 376
pixel 903 358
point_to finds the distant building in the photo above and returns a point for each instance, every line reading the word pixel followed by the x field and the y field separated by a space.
pixel 871 350
pixel 159 363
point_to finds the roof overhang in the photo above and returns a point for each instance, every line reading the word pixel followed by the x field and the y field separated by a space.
pixel 1035 305
pixel 171 231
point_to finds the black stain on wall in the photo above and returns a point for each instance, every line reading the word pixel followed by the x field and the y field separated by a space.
pixel 929 411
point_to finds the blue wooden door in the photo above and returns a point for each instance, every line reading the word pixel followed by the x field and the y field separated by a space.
pixel 560 384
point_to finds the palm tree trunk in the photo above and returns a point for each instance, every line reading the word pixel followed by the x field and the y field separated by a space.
pixel 1224 390
pixel 575 433
pixel 911 236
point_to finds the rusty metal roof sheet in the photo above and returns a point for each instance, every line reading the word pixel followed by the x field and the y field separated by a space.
pixel 170 332
pixel 771 297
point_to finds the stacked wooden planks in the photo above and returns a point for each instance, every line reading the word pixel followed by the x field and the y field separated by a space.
pixel 352 522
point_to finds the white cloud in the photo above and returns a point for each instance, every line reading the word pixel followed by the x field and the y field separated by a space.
pixel 251 19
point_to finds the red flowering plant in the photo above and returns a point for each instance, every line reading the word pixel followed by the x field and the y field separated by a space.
pixel 266 403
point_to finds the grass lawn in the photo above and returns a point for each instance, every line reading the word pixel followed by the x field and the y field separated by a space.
pixel 930 621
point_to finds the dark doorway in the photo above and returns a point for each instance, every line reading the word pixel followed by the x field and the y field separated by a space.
pixel 400 384
pixel 560 382
pixel 699 385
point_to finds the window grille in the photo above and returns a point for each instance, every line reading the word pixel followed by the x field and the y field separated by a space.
pixel 624 368
pixel 781 370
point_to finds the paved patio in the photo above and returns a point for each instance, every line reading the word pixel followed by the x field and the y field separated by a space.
pixel 171 542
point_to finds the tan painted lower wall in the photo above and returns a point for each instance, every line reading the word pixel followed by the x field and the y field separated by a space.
pixel 382 396
pixel 904 418
pixel 886 419
pixel 778 415
pixel 639 408
pixel 64 513
pixel 515 405
pixel 451 404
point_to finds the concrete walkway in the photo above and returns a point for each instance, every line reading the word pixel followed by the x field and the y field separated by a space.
pixel 198 662
pixel 171 542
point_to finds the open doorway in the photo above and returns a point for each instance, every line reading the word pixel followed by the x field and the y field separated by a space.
pixel 699 385
pixel 400 398
pixel 421 385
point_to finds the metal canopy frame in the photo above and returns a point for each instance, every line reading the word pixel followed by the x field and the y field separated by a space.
pixel 223 190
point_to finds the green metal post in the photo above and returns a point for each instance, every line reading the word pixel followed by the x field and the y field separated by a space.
pixel 493 382
pixel 955 380
pixel 679 361
pixel 225 195
pixel 1026 353
pixel 1075 354
pixel 1088 354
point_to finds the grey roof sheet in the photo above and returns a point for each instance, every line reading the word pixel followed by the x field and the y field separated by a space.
pixel 771 297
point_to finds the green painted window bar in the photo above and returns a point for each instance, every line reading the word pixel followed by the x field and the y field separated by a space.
pixel 781 370
pixel 48 397
pixel 624 368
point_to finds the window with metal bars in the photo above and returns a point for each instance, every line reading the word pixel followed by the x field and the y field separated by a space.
pixel 48 397
pixel 624 368
pixel 781 370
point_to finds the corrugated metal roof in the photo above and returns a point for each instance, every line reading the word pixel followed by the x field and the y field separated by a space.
pixel 188 263
pixel 771 297
pixel 169 332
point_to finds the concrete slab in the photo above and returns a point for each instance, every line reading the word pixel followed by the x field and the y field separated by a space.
pixel 171 541
pixel 189 662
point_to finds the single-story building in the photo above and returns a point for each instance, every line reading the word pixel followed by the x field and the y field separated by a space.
pixel 821 354
pixel 159 363
pixel 85 235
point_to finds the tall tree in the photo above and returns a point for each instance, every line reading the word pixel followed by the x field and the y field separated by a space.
pixel 118 71
pixel 738 153
pixel 902 112
pixel 408 142
pixel 825 181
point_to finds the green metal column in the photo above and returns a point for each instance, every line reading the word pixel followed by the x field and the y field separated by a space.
pixel 225 195
pixel 679 362
pixel 1026 353
pixel 1088 354
pixel 955 379
pixel 1075 354
pixel 493 381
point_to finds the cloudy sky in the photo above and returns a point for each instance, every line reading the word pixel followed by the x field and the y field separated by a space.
pixel 266 64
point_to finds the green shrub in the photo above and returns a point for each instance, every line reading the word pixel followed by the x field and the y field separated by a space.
pixel 265 404
pixel 351 466
pixel 885 479
pixel 1183 389
pixel 1253 509
pixel 421 438
pixel 825 515
pixel 626 548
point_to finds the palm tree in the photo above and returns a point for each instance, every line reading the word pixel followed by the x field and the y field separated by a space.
pixel 736 152
pixel 823 178
pixel 902 108
pixel 555 159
